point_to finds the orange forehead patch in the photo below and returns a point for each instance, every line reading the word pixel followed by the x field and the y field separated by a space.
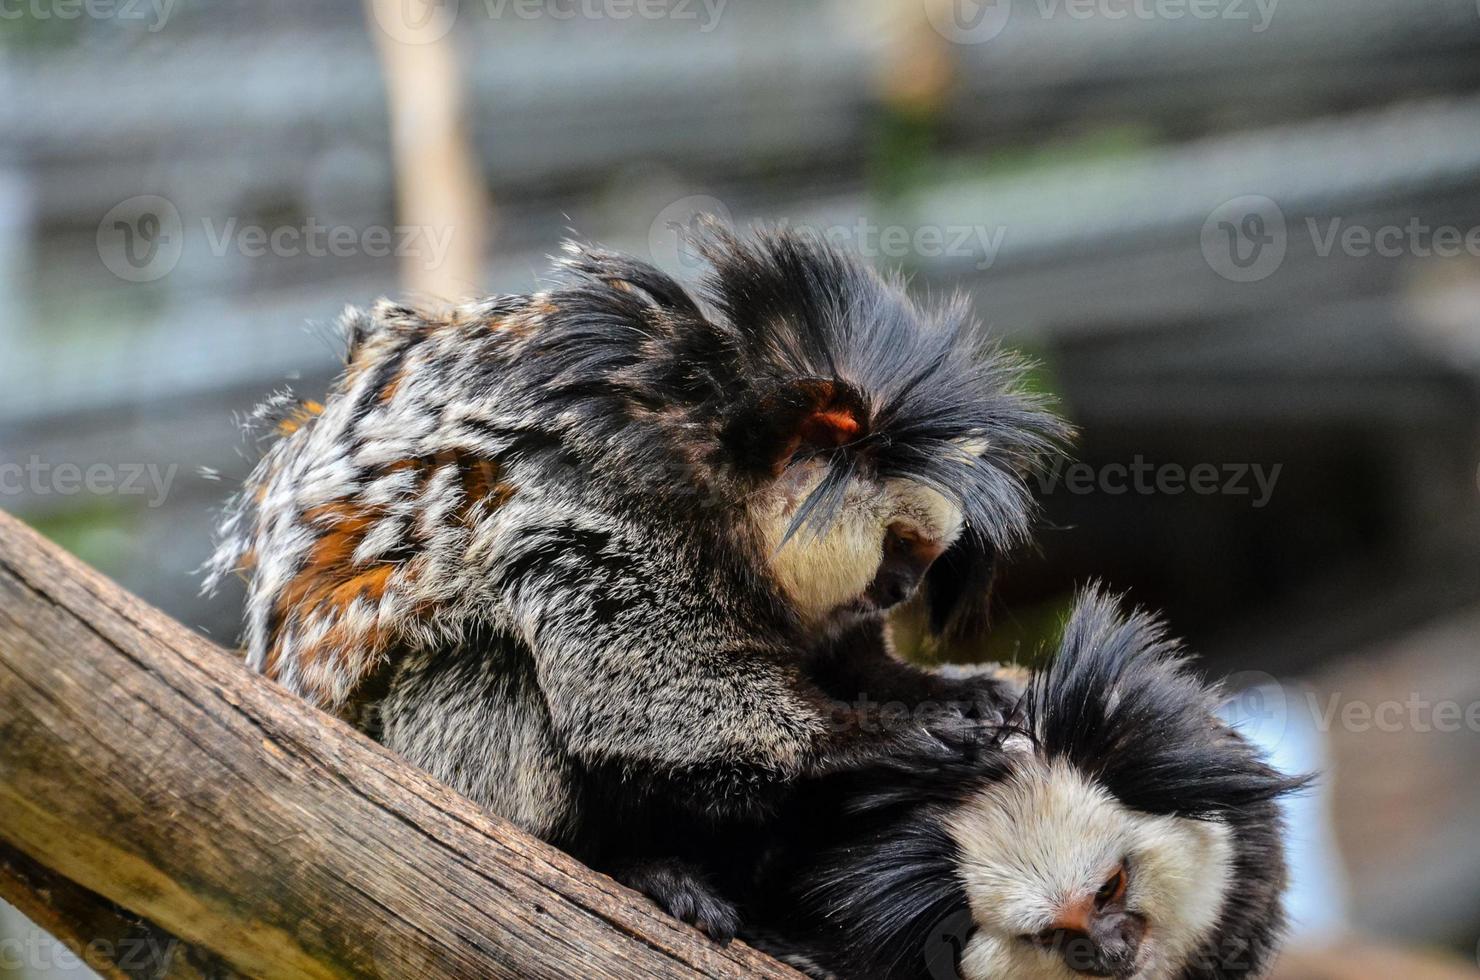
pixel 830 427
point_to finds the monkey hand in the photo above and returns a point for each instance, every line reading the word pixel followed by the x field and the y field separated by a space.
pixel 981 693
pixel 683 892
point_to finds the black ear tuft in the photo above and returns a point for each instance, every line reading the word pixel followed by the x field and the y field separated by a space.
pixel 1121 703
pixel 946 407
pixel 958 589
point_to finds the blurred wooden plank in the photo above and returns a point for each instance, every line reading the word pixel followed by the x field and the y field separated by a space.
pixel 109 940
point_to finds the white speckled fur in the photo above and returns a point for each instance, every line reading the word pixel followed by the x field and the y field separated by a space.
pixel 1048 835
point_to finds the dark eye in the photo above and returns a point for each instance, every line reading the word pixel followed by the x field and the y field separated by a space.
pixel 1113 890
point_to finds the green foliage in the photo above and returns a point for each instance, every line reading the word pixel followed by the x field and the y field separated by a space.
pixel 100 532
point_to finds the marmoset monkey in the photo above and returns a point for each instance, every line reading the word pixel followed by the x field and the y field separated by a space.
pixel 571 551
pixel 1115 827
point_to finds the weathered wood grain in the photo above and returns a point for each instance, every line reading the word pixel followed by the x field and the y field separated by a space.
pixel 150 767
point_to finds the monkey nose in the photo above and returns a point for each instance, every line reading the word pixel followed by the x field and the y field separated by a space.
pixel 889 589
pixel 1118 936
pixel 1113 947
pixel 1095 943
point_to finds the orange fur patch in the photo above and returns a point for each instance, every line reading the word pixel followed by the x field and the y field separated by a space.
pixel 327 577
pixel 830 427
pixel 329 581
pixel 299 417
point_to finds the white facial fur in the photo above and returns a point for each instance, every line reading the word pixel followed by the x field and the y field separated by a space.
pixel 823 573
pixel 1047 836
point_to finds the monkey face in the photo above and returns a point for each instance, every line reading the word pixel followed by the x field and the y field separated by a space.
pixel 1063 881
pixel 1114 827
pixel 871 557
pixel 828 401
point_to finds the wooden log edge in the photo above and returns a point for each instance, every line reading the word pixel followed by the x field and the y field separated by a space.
pixel 147 768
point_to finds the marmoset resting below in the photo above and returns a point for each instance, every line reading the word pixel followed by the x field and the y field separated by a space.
pixel 1115 827
pixel 571 552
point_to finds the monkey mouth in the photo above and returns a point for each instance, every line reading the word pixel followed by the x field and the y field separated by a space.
pixel 872 602
pixel 861 606
pixel 849 614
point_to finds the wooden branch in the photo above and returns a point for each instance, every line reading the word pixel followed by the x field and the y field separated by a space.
pixel 150 767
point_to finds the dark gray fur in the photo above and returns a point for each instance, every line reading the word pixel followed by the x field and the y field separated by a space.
pixel 512 542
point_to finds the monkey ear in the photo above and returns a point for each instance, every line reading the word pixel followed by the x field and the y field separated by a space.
pixel 958 589
pixel 775 423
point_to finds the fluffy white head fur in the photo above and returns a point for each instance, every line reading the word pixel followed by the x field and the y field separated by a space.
pixel 828 571
pixel 1047 836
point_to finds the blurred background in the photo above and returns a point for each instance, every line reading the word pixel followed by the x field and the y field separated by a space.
pixel 1242 238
